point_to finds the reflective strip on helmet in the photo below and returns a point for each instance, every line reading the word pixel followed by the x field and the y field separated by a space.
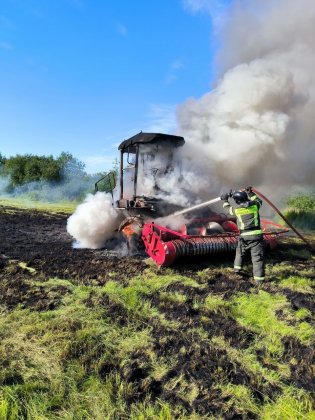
pixel 252 232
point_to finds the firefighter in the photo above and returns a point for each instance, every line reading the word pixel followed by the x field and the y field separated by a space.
pixel 248 222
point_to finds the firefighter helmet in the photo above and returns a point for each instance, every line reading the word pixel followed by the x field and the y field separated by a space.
pixel 240 197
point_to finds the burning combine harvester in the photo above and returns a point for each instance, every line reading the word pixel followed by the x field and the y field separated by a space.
pixel 149 157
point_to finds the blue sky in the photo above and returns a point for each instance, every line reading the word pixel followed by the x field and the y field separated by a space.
pixel 81 75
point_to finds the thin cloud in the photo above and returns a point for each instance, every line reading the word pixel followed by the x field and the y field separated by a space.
pixel 122 29
pixel 161 119
pixel 77 3
pixel 171 78
pixel 194 5
pixel 202 5
pixel 215 8
pixel 6 45
pixel 177 64
pixel 98 163
pixel 97 160
pixel 5 22
pixel 175 67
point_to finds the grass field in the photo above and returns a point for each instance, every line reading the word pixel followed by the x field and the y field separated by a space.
pixel 63 207
pixel 188 342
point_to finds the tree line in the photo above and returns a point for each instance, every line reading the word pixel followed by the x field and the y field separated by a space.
pixel 23 169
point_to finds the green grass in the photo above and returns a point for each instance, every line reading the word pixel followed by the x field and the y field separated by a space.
pixel 279 271
pixel 135 297
pixel 263 377
pixel 152 281
pixel 258 312
pixel 94 399
pixel 62 207
pixel 301 211
pixel 240 398
pixel 51 362
pixel 293 404
pixel 72 362
pixel 303 254
pixel 214 303
pixel 175 297
pixel 299 284
pixel 302 202
pixel 302 219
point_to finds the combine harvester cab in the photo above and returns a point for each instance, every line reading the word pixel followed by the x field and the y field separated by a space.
pixel 145 155
pixel 150 155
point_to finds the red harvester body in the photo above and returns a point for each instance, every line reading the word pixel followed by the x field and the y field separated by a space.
pixel 165 246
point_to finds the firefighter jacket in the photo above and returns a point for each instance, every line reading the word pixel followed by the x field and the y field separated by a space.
pixel 247 215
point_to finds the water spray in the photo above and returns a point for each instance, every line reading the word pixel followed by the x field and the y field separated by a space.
pixel 215 200
pixel 197 206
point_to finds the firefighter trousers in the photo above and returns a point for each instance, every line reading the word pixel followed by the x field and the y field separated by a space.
pixel 255 246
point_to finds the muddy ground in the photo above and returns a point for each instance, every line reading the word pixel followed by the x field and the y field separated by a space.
pixel 40 241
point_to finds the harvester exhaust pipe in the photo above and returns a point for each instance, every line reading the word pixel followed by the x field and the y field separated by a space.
pixel 284 218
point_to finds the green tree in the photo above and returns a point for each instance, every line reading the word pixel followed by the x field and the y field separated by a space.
pixel 68 164
pixel 23 169
pixel 2 159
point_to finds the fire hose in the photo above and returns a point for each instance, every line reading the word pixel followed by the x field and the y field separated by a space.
pixel 214 200
pixel 165 245
pixel 284 218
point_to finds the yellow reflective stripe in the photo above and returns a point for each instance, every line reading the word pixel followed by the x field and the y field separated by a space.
pixel 231 211
pixel 256 215
pixel 252 232
pixel 256 219
pixel 237 266
pixel 240 221
pixel 259 278
pixel 250 210
pixel 226 204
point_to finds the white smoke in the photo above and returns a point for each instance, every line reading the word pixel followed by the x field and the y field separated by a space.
pixel 93 222
pixel 169 174
pixel 171 222
pixel 256 127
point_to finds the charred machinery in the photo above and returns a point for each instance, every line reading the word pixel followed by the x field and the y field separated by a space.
pixel 144 159
pixel 145 156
